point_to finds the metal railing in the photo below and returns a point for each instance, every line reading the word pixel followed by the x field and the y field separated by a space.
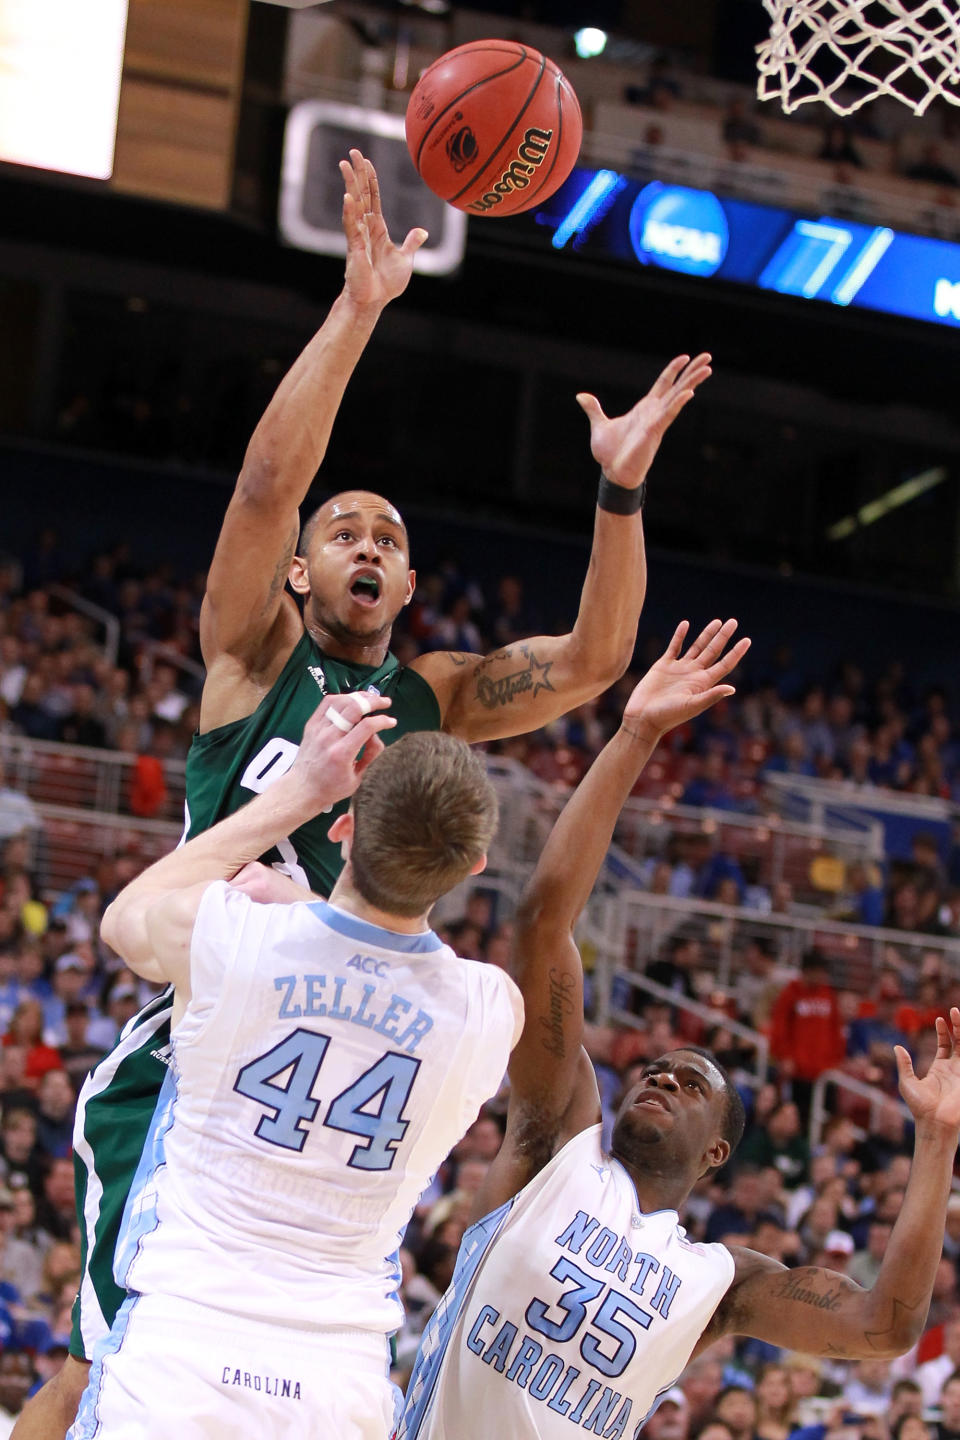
pixel 875 1101
pixel 753 1040
pixel 855 953
pixel 110 622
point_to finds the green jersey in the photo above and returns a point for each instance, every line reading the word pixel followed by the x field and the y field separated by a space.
pixel 226 767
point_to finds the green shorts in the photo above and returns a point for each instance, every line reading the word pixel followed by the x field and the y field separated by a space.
pixel 114 1111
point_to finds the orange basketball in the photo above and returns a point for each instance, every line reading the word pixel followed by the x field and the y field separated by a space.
pixel 493 127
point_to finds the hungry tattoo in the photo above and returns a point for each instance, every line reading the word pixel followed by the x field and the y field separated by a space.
pixel 533 678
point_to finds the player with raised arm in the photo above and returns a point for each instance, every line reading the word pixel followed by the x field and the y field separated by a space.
pixel 326 1057
pixel 267 666
pixel 578 1298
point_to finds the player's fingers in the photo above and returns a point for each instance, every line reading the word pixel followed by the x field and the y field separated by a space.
pixel 708 698
pixel 369 753
pixel 703 639
pixel 728 662
pixel 672 651
pixel 351 223
pixel 365 730
pixel 414 240
pixel 699 366
pixel 715 646
pixel 904 1063
pixel 351 183
pixel 350 709
pixel 677 401
pixel 373 186
pixel 669 374
pixel 363 181
pixel 944 1039
pixel 591 407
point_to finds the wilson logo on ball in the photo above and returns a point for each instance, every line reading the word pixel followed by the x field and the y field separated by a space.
pixel 531 153
pixel 462 148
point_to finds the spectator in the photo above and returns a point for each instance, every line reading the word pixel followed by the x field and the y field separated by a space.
pixel 26 1029
pixel 735 1220
pixel 806 1035
pixel 931 167
pixel 868 1390
pixel 77 1052
pixel 56 1206
pixel 82 726
pixel 21 1264
pixel 838 146
pixel 671 1419
pixel 865 1265
pixel 779 1142
pixel 16 1378
pixel 932 1375
pixel 948 1426
pixel 739 127
pixel 875 1035
pixel 736 1407
pixel 56 1101
pixel 701 1383
pixel 17 811
pixel 775 1404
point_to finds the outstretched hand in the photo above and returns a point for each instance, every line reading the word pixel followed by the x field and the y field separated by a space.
pixel 625 445
pixel 935 1099
pixel 340 740
pixel 678 687
pixel 377 269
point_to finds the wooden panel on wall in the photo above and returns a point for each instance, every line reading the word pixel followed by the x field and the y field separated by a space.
pixel 179 100
pixel 199 42
pixel 175 144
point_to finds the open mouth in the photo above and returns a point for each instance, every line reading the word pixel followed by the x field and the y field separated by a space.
pixel 652 1097
pixel 366 589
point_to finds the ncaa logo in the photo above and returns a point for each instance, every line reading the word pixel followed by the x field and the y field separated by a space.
pixel 679 229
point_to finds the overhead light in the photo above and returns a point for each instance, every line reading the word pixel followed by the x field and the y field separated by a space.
pixel 892 500
pixel 590 42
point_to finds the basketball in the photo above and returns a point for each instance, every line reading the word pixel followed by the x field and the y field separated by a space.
pixel 493 127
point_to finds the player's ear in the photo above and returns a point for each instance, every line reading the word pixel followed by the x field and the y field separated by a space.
pixel 717 1155
pixel 341 833
pixel 480 866
pixel 411 586
pixel 298 577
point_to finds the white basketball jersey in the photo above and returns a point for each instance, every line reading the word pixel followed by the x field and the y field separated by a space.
pixel 569 1308
pixel 322 1071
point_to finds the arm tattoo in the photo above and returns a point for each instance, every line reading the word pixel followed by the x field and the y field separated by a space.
pixel 457 657
pixel 899 1313
pixel 792 1287
pixel 530 680
pixel 282 571
pixel 561 1005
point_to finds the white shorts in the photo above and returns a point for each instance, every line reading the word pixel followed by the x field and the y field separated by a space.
pixel 173 1368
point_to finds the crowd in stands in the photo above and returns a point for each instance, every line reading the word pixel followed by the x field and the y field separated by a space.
pixel 64 996
pixel 882 137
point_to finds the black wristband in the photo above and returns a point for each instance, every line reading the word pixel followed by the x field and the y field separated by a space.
pixel 618 499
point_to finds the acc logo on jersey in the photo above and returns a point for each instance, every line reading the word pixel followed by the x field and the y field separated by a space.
pixel 368 965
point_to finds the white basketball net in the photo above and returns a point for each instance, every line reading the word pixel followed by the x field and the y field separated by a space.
pixel 845 53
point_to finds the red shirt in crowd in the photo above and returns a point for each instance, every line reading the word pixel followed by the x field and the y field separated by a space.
pixel 805 1029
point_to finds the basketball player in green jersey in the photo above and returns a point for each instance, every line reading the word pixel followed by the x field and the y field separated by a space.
pixel 268 667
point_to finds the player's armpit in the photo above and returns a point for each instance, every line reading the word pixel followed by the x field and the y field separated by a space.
pixel 817 1311
pixel 513 690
